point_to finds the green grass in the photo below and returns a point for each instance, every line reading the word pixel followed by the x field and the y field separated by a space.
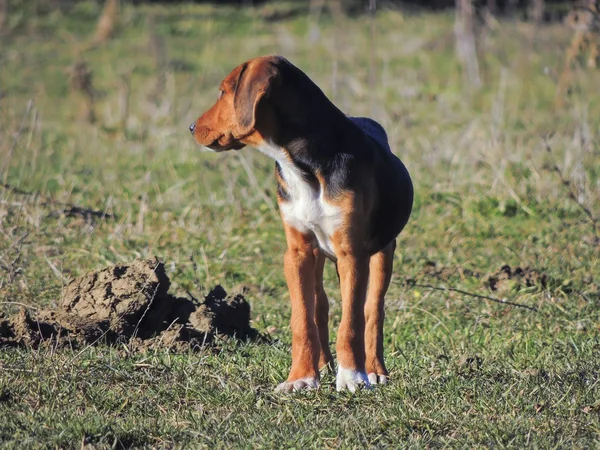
pixel 465 372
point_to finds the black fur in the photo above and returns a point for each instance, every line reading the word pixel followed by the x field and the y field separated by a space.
pixel 351 154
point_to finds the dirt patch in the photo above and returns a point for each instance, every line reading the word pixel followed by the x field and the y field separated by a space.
pixel 508 278
pixel 130 303
pixel 503 280
pixel 445 273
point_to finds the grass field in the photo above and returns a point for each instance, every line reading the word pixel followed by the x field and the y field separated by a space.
pixel 465 372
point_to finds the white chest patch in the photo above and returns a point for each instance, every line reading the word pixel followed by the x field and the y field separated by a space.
pixel 306 209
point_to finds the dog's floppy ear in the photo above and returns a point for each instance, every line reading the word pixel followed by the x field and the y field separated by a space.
pixel 254 83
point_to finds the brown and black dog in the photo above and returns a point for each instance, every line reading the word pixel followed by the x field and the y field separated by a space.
pixel 342 194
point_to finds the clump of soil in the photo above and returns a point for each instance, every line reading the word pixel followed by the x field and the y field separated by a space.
pixel 130 303
pixel 507 278
pixel 503 280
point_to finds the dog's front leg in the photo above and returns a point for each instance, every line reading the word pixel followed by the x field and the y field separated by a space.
pixel 322 312
pixel 353 269
pixel 299 268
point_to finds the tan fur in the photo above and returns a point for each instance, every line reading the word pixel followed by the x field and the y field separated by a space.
pixel 299 268
pixel 353 269
pixel 380 275
pixel 322 312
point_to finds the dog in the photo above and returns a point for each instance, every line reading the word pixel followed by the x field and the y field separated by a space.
pixel 342 195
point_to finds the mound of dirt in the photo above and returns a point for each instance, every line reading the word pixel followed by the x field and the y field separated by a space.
pixel 130 303
pixel 507 278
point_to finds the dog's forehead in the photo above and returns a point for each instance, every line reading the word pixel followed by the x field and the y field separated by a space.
pixel 251 67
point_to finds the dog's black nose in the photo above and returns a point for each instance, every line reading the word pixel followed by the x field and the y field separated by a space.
pixel 192 127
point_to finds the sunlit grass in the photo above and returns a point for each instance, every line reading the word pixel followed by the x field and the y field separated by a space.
pixel 465 372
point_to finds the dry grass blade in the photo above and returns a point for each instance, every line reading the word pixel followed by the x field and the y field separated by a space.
pixel 502 301
pixel 67 209
pixel 7 160
pixel 571 192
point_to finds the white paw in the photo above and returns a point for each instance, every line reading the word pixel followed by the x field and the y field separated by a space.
pixel 351 379
pixel 298 385
pixel 377 379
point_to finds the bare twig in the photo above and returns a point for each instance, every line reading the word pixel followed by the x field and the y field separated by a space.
pixel 57 272
pixel 595 221
pixel 11 266
pixel 502 301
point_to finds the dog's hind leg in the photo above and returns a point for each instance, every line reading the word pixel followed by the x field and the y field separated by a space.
pixel 380 274
pixel 322 312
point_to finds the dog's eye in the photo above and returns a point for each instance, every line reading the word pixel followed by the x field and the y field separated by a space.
pixel 220 94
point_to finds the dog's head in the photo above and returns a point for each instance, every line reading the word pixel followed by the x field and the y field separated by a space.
pixel 239 118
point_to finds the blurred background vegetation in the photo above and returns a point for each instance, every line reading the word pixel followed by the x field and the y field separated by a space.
pixel 494 108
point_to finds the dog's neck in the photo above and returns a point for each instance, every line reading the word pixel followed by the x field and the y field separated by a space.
pixel 285 160
pixel 275 152
pixel 291 168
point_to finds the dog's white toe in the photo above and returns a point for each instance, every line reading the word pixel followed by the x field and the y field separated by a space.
pixel 377 379
pixel 298 385
pixel 351 379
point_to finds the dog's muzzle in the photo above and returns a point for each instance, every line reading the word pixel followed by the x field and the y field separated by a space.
pixel 192 128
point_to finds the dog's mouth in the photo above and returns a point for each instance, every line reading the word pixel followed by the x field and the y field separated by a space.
pixel 219 141
pixel 216 146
